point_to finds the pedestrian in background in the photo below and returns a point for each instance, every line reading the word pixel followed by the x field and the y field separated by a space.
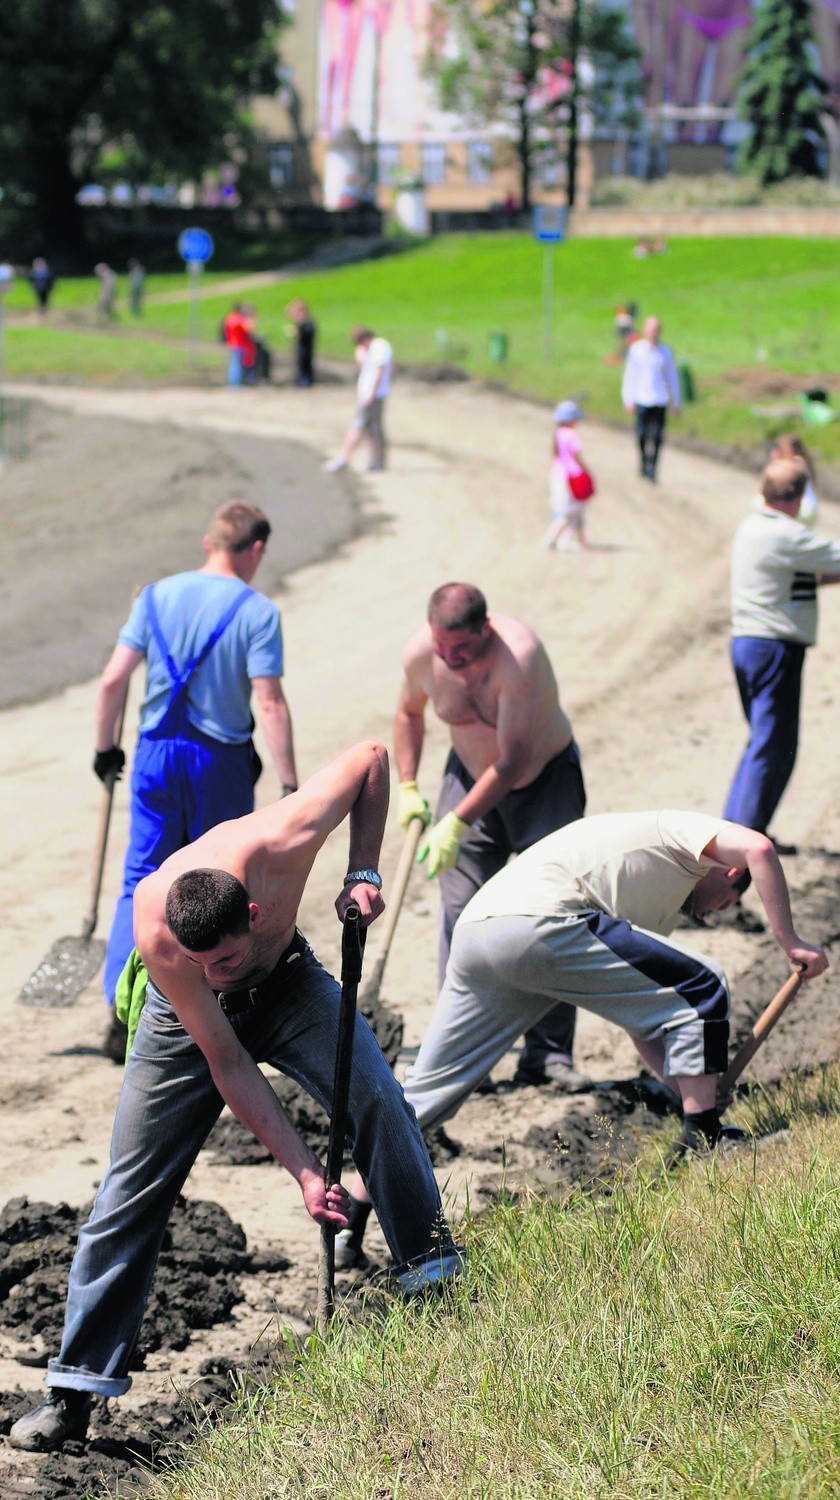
pixel 571 485
pixel 42 281
pixel 375 359
pixel 303 329
pixel 107 292
pixel 136 287
pixel 650 385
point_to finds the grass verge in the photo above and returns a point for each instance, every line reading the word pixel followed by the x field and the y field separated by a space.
pixel 679 1337
pixel 756 319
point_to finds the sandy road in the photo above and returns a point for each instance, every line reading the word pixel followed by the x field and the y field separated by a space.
pixel 637 629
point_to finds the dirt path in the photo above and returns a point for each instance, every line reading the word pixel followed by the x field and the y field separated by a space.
pixel 637 629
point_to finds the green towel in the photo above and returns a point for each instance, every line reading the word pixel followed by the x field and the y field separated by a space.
pixel 131 995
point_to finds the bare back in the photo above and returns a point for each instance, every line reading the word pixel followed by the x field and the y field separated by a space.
pixel 511 680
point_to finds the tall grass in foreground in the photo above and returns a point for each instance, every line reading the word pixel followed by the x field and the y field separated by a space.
pixel 678 1338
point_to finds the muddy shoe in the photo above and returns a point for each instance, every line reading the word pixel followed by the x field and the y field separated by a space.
pixel 115 1040
pixel 62 1416
pixel 348 1255
pixel 555 1074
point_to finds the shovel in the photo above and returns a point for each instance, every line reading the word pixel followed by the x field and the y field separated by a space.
pixel 397 891
pixel 352 948
pixel 761 1030
pixel 72 962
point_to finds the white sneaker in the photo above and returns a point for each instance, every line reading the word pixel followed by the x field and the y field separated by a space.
pixel 333 465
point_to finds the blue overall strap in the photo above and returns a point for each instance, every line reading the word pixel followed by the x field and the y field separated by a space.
pixel 182 677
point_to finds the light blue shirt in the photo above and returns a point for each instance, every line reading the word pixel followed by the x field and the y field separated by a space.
pixel 190 606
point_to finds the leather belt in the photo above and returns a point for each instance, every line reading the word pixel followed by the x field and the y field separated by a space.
pixel 232 1002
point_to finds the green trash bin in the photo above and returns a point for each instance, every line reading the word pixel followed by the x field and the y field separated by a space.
pixel 497 345
pixel 687 388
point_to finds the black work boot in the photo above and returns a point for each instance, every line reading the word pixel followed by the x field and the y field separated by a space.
pixel 62 1415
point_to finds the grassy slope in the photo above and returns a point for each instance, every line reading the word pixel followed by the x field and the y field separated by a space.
pixel 679 1338
pixel 722 300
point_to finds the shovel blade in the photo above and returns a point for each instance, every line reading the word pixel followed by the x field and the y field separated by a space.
pixel 69 966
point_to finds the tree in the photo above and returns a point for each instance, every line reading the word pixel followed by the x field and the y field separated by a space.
pixel 534 66
pixel 158 87
pixel 781 94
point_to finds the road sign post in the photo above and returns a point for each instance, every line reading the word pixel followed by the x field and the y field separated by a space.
pixel 7 276
pixel 549 230
pixel 195 247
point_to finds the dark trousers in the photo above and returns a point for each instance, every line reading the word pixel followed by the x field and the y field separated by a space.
pixel 556 797
pixel 769 677
pixel 650 428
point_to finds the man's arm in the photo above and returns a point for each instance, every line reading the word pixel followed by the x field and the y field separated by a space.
pixel 239 1081
pixel 275 721
pixel 110 694
pixel 742 848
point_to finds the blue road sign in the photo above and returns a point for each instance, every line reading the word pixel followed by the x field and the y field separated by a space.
pixel 195 244
pixel 549 224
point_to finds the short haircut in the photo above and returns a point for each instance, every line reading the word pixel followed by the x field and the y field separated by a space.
pixel 361 334
pixel 205 906
pixel 458 606
pixel 237 526
pixel 784 480
pixel 742 882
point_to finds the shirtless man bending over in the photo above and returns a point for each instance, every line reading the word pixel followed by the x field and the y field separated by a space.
pixel 513 776
pixel 232 983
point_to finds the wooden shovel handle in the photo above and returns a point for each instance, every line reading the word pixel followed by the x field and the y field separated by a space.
pixel 761 1030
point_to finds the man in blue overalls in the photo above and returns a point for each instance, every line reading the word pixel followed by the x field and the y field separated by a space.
pixel 208 639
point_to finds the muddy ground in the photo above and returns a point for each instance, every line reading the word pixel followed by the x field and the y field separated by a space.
pixel 637 631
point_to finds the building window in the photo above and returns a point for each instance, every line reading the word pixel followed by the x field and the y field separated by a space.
pixel 281 165
pixel 387 161
pixel 479 161
pixel 434 165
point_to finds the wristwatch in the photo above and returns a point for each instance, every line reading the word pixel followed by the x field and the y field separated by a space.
pixel 364 877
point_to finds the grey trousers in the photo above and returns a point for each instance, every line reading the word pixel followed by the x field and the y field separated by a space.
pixel 506 973
pixel 556 797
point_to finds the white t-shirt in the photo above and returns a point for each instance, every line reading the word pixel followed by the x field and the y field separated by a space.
pixel 639 867
pixel 375 373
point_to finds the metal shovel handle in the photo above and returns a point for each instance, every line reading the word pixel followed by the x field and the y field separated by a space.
pixel 352 948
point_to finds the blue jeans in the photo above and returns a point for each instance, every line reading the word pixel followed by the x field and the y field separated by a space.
pixel 769 677
pixel 166 1109
pixel 180 788
pixel 236 367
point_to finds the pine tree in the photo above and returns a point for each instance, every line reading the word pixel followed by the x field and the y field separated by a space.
pixel 781 94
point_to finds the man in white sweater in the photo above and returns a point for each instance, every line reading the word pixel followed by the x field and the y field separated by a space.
pixel 777 565
pixel 650 384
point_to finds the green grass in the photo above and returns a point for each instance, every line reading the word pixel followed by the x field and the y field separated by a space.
pixel 767 305
pixel 678 1339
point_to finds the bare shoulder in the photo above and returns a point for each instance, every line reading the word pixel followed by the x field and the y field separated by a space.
pixel 418 651
pixel 523 645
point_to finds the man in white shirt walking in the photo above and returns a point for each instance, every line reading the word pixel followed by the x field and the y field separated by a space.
pixel 375 359
pixel 649 386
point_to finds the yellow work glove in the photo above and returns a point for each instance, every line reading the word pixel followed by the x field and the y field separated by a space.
pixel 412 805
pixel 442 844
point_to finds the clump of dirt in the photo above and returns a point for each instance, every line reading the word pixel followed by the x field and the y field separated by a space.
pixel 197 1283
pixel 763 382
